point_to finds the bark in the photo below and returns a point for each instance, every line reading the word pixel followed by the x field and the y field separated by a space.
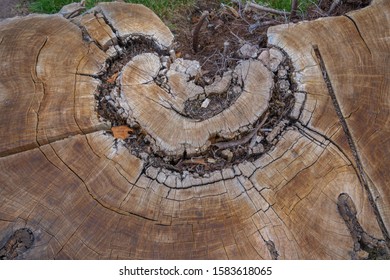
pixel 314 187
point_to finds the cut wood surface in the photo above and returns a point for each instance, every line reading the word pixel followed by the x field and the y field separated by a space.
pixel 358 77
pixel 74 186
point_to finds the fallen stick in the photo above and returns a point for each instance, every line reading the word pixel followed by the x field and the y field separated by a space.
pixel 335 3
pixel 294 8
pixel 195 34
pixel 266 9
pixel 243 140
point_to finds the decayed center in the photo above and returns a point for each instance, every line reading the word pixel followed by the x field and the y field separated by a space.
pixel 160 111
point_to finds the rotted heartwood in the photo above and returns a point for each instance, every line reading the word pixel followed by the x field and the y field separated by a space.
pixel 282 155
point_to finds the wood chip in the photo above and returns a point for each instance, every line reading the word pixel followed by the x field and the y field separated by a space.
pixel 121 132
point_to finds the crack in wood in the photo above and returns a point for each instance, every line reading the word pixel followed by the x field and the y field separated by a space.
pixel 101 203
pixel 358 30
pixel 74 92
pixel 47 158
pixel 43 88
pixel 361 173
pixel 74 232
pixel 113 29
pixel 29 147
pixel 302 127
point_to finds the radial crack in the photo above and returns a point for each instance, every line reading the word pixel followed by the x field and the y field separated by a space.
pixel 101 203
pixel 43 88
pixel 358 30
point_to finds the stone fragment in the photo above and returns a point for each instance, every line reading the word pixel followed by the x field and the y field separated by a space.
pixel 248 51
pixel 227 154
pixel 282 74
pixel 205 103
pixel 264 57
pixel 258 149
pixel 283 85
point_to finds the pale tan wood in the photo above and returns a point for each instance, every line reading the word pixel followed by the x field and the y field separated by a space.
pixel 99 30
pixel 134 20
pixel 142 69
pixel 181 89
pixel 39 80
pixel 357 64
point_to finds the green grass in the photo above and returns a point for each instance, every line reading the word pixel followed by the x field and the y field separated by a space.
pixel 285 4
pixel 163 8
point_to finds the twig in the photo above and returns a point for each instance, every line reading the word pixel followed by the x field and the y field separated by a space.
pixel 240 40
pixel 195 34
pixel 226 45
pixel 318 10
pixel 259 24
pixel 192 161
pixel 335 3
pixel 243 140
pixel 239 4
pixel 207 59
pixel 294 7
pixel 266 9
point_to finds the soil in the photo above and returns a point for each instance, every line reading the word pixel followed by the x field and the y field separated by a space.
pixel 12 8
pixel 237 27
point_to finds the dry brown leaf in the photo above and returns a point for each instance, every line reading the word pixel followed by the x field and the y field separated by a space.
pixel 121 132
pixel 112 79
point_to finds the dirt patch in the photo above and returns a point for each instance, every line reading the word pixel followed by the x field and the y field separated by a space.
pixel 223 26
pixel 236 26
pixel 12 8
pixel 327 8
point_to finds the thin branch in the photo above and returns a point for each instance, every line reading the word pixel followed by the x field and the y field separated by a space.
pixel 195 35
pixel 294 8
pixel 335 3
pixel 266 9
pixel 318 10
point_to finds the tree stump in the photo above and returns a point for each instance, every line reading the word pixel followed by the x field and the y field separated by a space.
pixel 291 165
